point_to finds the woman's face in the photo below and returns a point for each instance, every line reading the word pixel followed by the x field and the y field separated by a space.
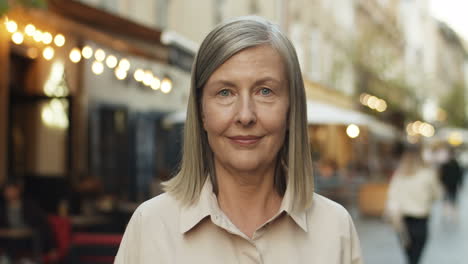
pixel 12 193
pixel 245 106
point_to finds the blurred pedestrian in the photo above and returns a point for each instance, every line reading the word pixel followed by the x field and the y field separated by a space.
pixel 412 192
pixel 451 177
pixel 22 214
pixel 244 191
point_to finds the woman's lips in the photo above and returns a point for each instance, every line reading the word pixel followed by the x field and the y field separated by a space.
pixel 245 140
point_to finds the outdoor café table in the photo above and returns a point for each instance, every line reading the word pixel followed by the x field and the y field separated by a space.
pixel 18 241
pixel 86 223
pixel 94 248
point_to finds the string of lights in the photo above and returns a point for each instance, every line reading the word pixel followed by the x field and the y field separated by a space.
pixel 373 102
pixel 413 129
pixel 50 42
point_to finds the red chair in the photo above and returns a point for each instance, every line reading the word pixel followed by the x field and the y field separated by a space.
pixel 61 227
pixel 94 248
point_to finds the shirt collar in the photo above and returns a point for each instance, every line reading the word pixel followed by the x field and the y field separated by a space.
pixel 192 214
pixel 298 215
pixel 207 205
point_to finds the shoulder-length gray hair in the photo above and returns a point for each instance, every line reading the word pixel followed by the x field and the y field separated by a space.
pixel 294 168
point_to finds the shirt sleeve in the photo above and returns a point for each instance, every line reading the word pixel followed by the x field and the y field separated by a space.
pixel 392 193
pixel 392 206
pixel 129 252
pixel 354 246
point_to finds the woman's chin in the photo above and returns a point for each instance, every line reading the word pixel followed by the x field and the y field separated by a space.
pixel 247 166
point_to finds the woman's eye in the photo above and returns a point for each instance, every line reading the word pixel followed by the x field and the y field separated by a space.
pixel 265 91
pixel 224 92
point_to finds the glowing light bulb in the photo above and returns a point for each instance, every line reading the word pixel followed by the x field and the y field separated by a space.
pixel 30 29
pixel 417 126
pixel 48 53
pixel 410 130
pixel 37 36
pixel 97 67
pixel 47 38
pixel 166 85
pixel 17 38
pixel 11 26
pixel 59 40
pixel 100 55
pixel 352 131
pixel 124 64
pixel 75 55
pixel 111 61
pixel 381 105
pixel 427 130
pixel 148 78
pixel 139 75
pixel 120 73
pixel 87 52
pixel 372 102
pixel 363 98
pixel 155 83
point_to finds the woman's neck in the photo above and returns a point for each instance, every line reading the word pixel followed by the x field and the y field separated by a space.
pixel 248 199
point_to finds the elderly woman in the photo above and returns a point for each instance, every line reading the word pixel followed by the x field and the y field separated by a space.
pixel 244 191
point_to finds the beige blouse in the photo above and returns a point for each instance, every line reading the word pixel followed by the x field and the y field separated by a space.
pixel 414 195
pixel 163 231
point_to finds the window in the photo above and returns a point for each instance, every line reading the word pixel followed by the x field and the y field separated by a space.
pixel 297 40
pixel 315 41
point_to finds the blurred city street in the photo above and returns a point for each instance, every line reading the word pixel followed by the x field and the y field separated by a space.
pixel 448 243
pixel 95 100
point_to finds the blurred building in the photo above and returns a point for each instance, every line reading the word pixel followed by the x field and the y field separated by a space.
pixel 435 60
pixel 81 97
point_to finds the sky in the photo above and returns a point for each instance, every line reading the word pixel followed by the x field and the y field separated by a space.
pixel 454 13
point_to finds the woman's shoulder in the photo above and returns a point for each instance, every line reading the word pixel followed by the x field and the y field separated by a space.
pixel 324 203
pixel 327 211
pixel 428 171
pixel 158 207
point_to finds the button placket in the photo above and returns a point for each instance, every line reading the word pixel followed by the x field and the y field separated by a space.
pixel 252 253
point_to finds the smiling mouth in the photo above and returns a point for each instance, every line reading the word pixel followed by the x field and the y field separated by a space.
pixel 245 140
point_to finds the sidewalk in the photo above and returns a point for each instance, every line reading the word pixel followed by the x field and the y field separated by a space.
pixel 448 243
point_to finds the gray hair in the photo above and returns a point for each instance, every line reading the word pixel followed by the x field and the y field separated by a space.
pixel 294 168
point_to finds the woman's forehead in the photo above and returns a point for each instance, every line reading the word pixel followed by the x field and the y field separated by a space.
pixel 260 63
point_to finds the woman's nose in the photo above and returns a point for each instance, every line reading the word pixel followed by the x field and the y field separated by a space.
pixel 246 114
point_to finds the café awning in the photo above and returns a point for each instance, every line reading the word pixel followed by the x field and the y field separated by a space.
pixel 323 113
pixel 319 113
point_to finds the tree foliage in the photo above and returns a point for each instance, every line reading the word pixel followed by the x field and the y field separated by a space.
pixel 6 5
pixel 454 103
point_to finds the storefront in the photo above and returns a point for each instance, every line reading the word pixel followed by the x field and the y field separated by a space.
pixel 81 97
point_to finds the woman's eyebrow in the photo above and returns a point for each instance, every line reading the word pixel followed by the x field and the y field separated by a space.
pixel 221 82
pixel 267 79
pixel 227 83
